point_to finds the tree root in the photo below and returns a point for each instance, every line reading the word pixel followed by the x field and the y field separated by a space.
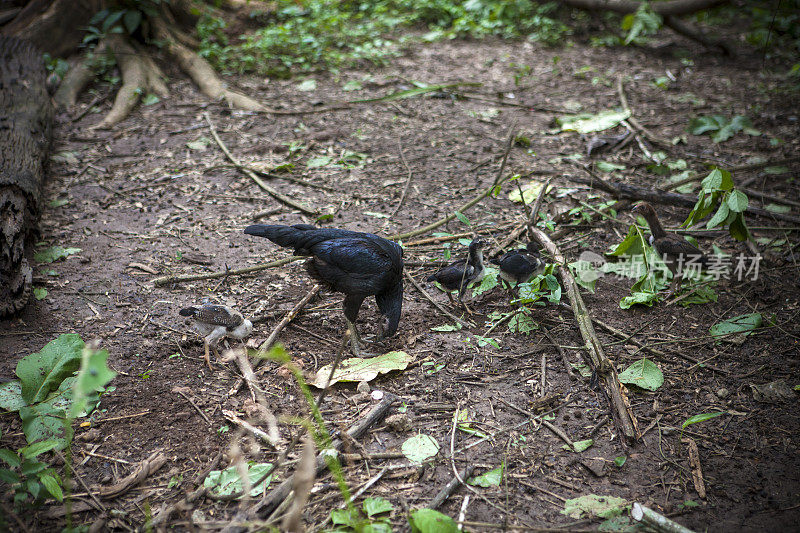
pixel 77 78
pixel 139 74
pixel 201 72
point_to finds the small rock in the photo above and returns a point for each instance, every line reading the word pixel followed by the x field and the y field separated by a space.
pixel 377 395
pixel 90 436
pixel 363 386
pixel 398 422
pixel 595 466
pixel 723 393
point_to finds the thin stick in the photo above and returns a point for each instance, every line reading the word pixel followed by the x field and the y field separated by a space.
pixel 163 280
pixel 92 495
pixel 561 352
pixel 509 145
pixel 269 190
pixel 339 352
pixel 451 216
pixel 559 432
pixel 635 123
pixel 267 344
pixel 261 434
pixel 408 180
pixel 597 357
pixel 436 304
pixel 544 374
pixel 196 408
pixel 451 487
pixel 536 206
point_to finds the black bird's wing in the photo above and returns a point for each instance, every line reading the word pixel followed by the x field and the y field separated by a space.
pixel 356 265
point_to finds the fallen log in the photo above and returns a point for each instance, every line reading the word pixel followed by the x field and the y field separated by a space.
pixel 26 118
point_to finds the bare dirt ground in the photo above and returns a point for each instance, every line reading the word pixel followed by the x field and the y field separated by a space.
pixel 141 204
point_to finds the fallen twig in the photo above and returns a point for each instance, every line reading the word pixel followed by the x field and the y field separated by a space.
pixel 534 216
pixel 408 180
pixel 655 139
pixel 269 190
pixel 597 357
pixel 260 433
pixel 657 521
pixel 139 474
pixel 451 487
pixel 177 278
pixel 182 392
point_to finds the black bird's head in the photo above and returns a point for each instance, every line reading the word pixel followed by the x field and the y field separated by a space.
pixel 390 304
pixel 478 245
pixel 532 248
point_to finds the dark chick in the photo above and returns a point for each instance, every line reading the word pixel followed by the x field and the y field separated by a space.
pixel 215 322
pixel 673 249
pixel 459 274
pixel 519 266
pixel 354 263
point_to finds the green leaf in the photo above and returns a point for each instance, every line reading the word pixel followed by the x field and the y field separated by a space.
pixel 595 506
pixel 530 191
pixel 52 486
pixel 701 418
pixel 374 506
pixel 150 99
pixel 701 295
pixel 777 208
pixel 40 293
pixel 420 448
pixel 10 457
pixel 492 478
pixel 132 19
pixel 11 396
pixel 737 201
pixel 199 144
pixel 588 123
pixel 43 421
pixel 585 274
pixel 744 324
pixel 319 161
pixel 447 327
pixel 582 445
pixel 307 85
pixel 38 448
pixel 345 517
pixel 604 166
pixel 630 245
pixel 644 298
pixel 701 125
pixel 352 85
pixel 487 283
pixel 522 323
pixel 430 521
pixel 93 376
pixel 227 482
pixel 42 372
pixel 357 369
pixel 54 253
pixel 619 461
pixel 644 374
pixel 738 228
pixel 460 216
pixel 58 202
pixel 720 216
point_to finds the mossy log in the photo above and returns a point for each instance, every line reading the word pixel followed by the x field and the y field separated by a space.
pixel 26 118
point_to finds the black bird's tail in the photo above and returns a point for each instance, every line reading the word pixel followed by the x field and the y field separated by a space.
pixel 189 311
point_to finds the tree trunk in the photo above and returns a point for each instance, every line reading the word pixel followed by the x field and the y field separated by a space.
pixel 26 118
pixel 54 26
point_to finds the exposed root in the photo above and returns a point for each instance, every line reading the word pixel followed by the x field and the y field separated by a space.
pixel 134 78
pixel 140 74
pixel 77 79
pixel 201 72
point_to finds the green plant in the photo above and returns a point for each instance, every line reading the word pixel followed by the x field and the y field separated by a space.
pixel 373 520
pixel 718 192
pixel 126 19
pixel 642 23
pixel 58 384
pixel 720 127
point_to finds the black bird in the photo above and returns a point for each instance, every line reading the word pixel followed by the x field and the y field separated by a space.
pixel 459 274
pixel 214 322
pixel 521 265
pixel 351 262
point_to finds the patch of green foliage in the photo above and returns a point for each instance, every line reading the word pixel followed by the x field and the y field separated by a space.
pixel 304 36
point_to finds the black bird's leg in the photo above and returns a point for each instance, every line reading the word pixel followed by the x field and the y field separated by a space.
pixel 352 304
pixel 206 354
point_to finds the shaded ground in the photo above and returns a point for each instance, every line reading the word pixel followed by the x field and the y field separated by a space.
pixel 139 199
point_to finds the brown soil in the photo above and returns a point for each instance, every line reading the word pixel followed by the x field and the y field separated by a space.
pixel 137 194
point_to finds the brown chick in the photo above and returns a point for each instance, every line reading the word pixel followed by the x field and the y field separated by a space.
pixel 674 250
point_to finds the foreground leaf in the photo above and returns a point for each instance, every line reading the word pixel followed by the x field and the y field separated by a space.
pixel 430 521
pixel 588 123
pixel 744 324
pixel 54 253
pixel 227 482
pixel 492 478
pixel 11 396
pixel 701 418
pixel 595 506
pixel 420 447
pixel 643 373
pixel 357 369
pixel 42 372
